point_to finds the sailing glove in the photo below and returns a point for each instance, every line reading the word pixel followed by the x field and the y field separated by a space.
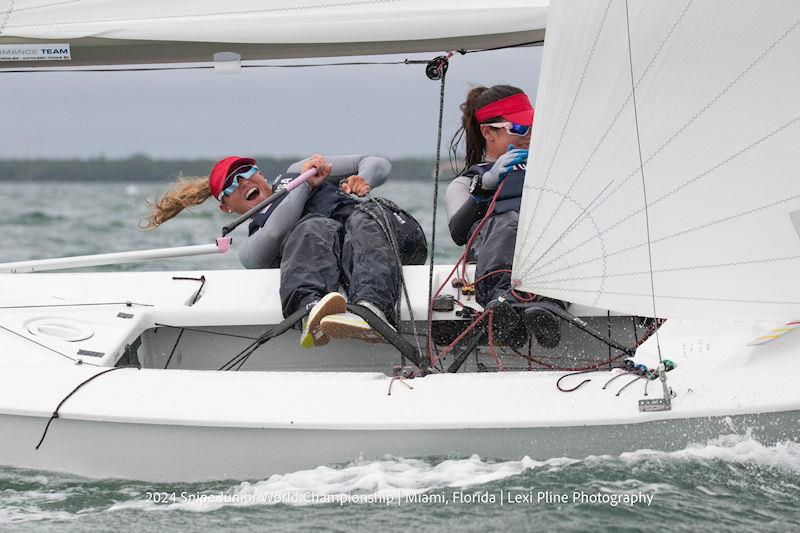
pixel 494 176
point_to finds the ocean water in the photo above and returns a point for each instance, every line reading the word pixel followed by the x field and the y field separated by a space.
pixel 52 219
pixel 732 482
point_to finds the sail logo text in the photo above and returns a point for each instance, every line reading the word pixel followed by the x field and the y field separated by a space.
pixel 40 52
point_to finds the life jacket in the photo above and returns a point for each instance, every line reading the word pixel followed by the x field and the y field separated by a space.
pixel 326 200
pixel 510 198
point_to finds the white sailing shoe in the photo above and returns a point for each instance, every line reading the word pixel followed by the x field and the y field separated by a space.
pixel 351 326
pixel 312 336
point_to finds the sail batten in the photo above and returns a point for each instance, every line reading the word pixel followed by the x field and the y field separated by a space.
pixel 719 126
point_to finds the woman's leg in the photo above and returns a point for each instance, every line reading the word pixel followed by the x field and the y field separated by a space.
pixel 369 264
pixel 310 263
pixel 494 248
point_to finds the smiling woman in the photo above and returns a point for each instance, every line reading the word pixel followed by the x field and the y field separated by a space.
pixel 320 235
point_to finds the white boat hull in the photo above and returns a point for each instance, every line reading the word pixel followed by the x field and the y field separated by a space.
pixel 195 453
pixel 186 425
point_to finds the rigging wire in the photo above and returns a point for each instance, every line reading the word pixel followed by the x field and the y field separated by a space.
pixel 206 66
pixel 126 304
pixel 79 361
pixel 644 184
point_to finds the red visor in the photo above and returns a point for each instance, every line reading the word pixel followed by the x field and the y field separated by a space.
pixel 221 171
pixel 516 108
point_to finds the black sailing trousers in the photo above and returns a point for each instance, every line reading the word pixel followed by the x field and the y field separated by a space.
pixel 321 253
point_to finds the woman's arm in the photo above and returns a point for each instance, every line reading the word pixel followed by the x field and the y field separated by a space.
pixel 372 168
pixel 462 210
pixel 261 248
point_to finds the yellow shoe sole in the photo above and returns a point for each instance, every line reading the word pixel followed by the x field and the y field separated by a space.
pixel 312 335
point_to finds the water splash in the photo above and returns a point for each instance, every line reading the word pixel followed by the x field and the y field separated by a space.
pixel 393 479
pixel 727 480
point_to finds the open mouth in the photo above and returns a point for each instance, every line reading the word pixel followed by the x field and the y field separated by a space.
pixel 252 194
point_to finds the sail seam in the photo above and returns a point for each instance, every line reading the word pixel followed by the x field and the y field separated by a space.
pixel 567 120
pixel 7 14
pixel 675 269
pixel 681 297
pixel 677 234
pixel 608 129
pixel 685 184
pixel 40 6
pixel 674 136
pixel 598 234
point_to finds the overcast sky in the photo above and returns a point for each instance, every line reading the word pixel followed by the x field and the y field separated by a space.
pixel 388 110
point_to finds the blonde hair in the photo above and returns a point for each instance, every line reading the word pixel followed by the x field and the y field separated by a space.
pixel 186 192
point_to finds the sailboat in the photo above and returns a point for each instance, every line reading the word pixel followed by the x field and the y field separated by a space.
pixel 660 199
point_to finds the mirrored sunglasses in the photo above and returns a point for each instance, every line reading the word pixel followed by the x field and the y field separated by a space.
pixel 232 181
pixel 512 128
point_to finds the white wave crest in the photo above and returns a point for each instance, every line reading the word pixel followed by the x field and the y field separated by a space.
pixel 386 480
pixel 27 506
pixel 740 449
pixel 393 479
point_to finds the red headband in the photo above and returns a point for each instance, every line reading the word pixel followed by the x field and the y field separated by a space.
pixel 516 108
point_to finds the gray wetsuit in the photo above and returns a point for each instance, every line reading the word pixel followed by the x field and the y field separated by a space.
pixel 322 238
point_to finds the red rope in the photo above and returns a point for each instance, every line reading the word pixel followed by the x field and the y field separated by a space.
pixel 490 274
pixel 492 351
pixel 461 261
pixel 457 339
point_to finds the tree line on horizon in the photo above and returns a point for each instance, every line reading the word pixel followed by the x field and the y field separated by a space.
pixel 144 168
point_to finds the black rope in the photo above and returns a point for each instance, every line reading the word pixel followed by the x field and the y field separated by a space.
pixel 239 359
pixel 631 382
pixel 201 279
pixel 576 387
pixel 608 316
pixel 519 45
pixel 174 347
pixel 67 397
pixel 436 194
pixel 616 377
pixel 198 330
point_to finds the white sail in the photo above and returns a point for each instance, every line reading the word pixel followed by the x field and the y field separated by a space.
pixel 153 31
pixel 717 93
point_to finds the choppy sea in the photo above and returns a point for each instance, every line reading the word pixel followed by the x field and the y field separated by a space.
pixel 732 482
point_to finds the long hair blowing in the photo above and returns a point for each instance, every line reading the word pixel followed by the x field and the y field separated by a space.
pixel 470 129
pixel 186 192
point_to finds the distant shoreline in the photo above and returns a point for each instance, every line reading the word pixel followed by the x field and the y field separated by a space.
pixel 144 168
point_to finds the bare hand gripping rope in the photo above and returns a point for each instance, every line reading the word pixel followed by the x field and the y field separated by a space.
pixel 221 245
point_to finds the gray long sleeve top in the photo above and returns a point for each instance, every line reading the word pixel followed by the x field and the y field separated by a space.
pixel 261 249
pixel 462 211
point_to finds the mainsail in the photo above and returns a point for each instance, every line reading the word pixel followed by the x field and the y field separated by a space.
pixel 110 32
pixel 713 142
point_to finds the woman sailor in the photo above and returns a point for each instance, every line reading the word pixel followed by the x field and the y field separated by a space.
pixel 496 124
pixel 320 236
